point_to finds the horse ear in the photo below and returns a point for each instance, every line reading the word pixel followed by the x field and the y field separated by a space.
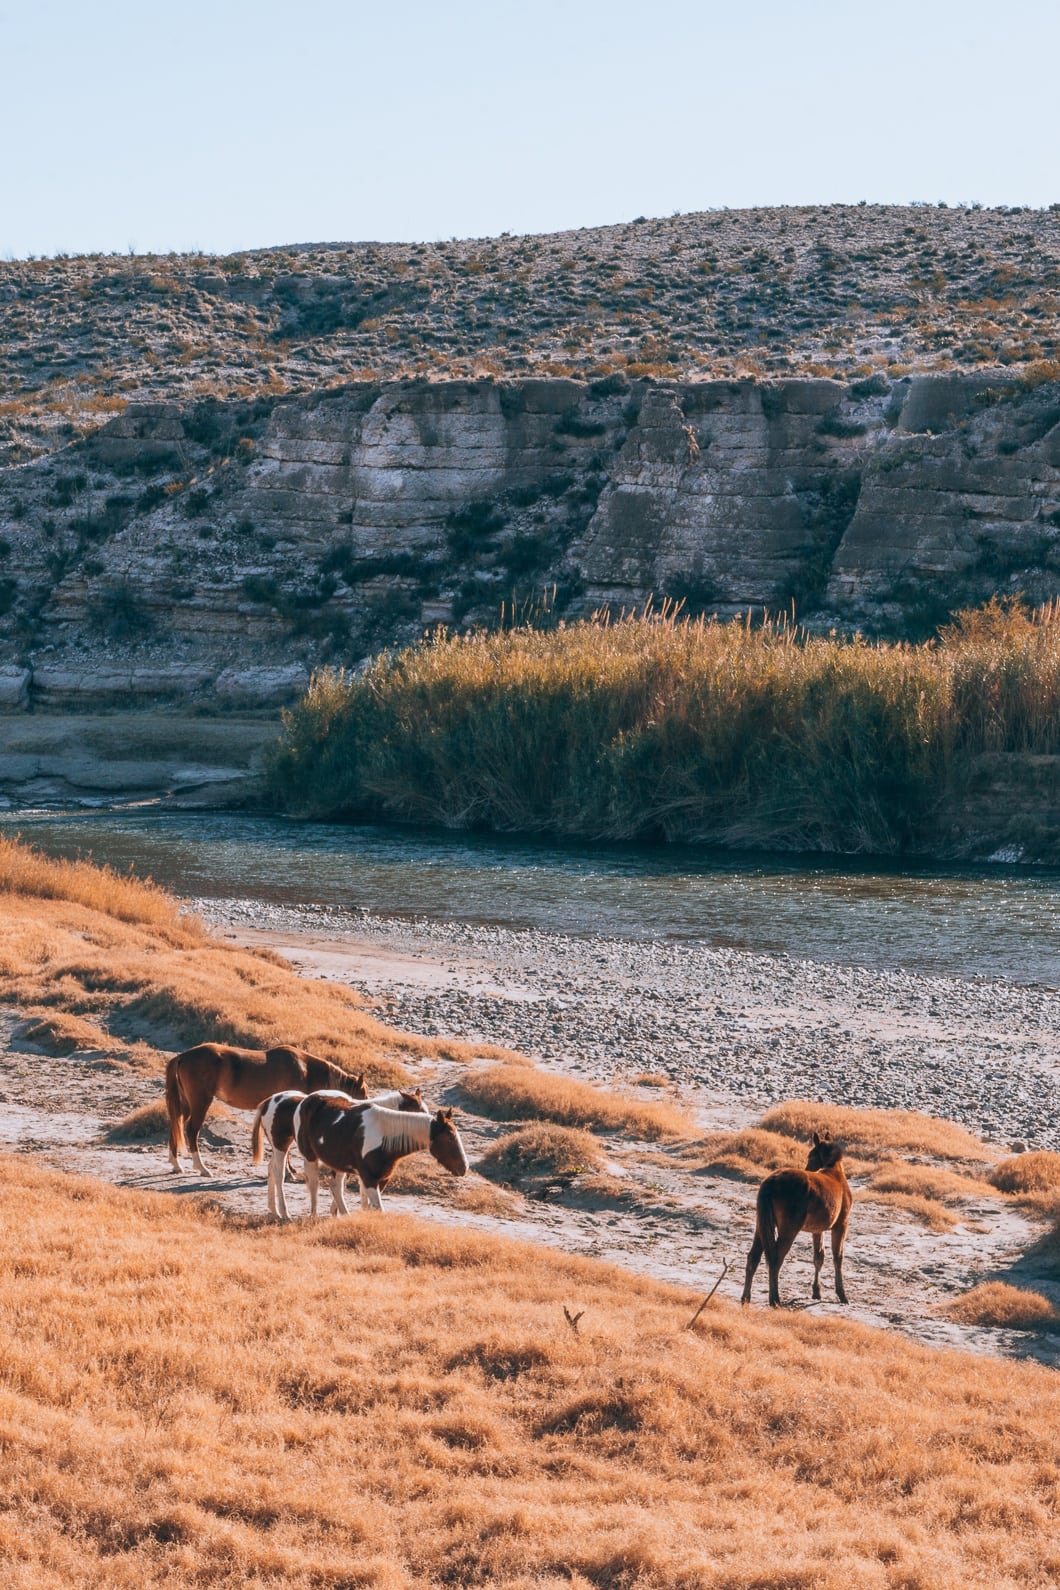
pixel 828 1137
pixel 816 1140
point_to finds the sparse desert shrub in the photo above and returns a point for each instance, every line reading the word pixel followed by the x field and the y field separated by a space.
pixel 119 612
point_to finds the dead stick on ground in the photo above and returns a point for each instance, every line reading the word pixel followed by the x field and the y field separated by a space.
pixel 710 1294
pixel 572 1319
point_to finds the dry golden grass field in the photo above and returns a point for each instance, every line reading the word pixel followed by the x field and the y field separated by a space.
pixel 190 1396
pixel 186 1399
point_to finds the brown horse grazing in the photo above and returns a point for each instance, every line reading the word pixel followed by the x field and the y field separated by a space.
pixel 370 1140
pixel 274 1121
pixel 242 1078
pixel 816 1199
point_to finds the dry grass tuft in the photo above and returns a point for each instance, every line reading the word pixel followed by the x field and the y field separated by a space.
pixel 1032 1178
pixel 1003 1307
pixel 876 1133
pixel 543 1150
pixel 148 1123
pixel 749 1155
pixel 926 1191
pixel 421 1175
pixel 58 1033
pixel 190 1399
pixel 519 1093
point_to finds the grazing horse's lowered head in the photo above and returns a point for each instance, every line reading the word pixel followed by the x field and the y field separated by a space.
pixel 445 1144
pixel 816 1199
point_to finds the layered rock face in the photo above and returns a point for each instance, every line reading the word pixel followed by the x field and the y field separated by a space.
pixel 215 554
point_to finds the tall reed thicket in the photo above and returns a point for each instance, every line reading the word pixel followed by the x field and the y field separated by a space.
pixel 659 727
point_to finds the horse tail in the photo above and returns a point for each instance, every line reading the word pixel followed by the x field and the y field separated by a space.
pixel 257 1134
pixel 175 1109
pixel 766 1222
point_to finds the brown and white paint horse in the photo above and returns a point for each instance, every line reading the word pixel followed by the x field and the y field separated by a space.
pixel 242 1078
pixel 816 1199
pixel 370 1139
pixel 274 1122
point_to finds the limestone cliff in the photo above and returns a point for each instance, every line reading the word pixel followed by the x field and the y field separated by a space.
pixel 215 552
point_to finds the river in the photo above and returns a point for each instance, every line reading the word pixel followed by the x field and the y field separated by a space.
pixel 994 922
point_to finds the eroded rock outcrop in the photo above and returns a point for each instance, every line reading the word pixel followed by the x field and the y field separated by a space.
pixel 213 555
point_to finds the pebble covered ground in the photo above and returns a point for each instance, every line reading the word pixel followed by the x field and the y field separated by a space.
pixel 733 1029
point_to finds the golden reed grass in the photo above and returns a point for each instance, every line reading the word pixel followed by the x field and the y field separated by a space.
pixel 192 1400
pixel 655 727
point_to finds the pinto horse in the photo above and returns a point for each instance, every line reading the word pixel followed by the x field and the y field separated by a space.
pixel 274 1121
pixel 242 1078
pixel 369 1139
pixel 816 1199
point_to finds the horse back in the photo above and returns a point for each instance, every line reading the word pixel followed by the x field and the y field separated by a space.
pixel 330 1133
pixel 828 1197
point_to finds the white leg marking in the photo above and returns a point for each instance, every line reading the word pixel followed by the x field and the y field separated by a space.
pixel 312 1181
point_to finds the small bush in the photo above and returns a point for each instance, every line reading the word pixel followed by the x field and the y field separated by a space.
pixel 1002 1307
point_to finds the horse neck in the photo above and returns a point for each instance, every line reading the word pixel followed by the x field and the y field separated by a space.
pixel 397 1132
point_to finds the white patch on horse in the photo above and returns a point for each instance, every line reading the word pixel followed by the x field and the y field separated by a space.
pixel 402 1131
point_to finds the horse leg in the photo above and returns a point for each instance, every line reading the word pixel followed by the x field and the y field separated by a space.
pixel 839 1237
pixel 312 1181
pixel 364 1197
pixel 753 1259
pixel 192 1126
pixel 818 1260
pixel 339 1205
pixel 279 1191
pixel 786 1235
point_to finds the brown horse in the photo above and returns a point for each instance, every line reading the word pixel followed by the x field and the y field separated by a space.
pixel 816 1199
pixel 242 1078
pixel 274 1123
pixel 370 1140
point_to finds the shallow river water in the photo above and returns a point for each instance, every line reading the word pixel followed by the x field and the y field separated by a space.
pixel 995 922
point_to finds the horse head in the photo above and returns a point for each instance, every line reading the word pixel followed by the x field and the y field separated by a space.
pixel 825 1152
pixel 446 1146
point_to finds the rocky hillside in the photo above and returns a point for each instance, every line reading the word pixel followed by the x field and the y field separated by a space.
pixel 221 472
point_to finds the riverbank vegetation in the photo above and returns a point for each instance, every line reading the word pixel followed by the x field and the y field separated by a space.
pixel 657 727
pixel 189 1398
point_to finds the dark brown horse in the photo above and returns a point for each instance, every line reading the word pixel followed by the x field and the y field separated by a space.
pixel 370 1140
pixel 274 1123
pixel 816 1199
pixel 242 1078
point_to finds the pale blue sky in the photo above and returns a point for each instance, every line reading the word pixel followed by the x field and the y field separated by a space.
pixel 227 124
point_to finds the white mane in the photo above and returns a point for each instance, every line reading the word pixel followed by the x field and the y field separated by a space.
pixel 400 1131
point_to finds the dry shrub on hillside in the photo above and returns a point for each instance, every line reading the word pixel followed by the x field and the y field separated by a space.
pixel 147 1123
pixel 520 1093
pixel 1004 1307
pixel 926 1191
pixel 422 1176
pixel 875 1133
pixel 194 1399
